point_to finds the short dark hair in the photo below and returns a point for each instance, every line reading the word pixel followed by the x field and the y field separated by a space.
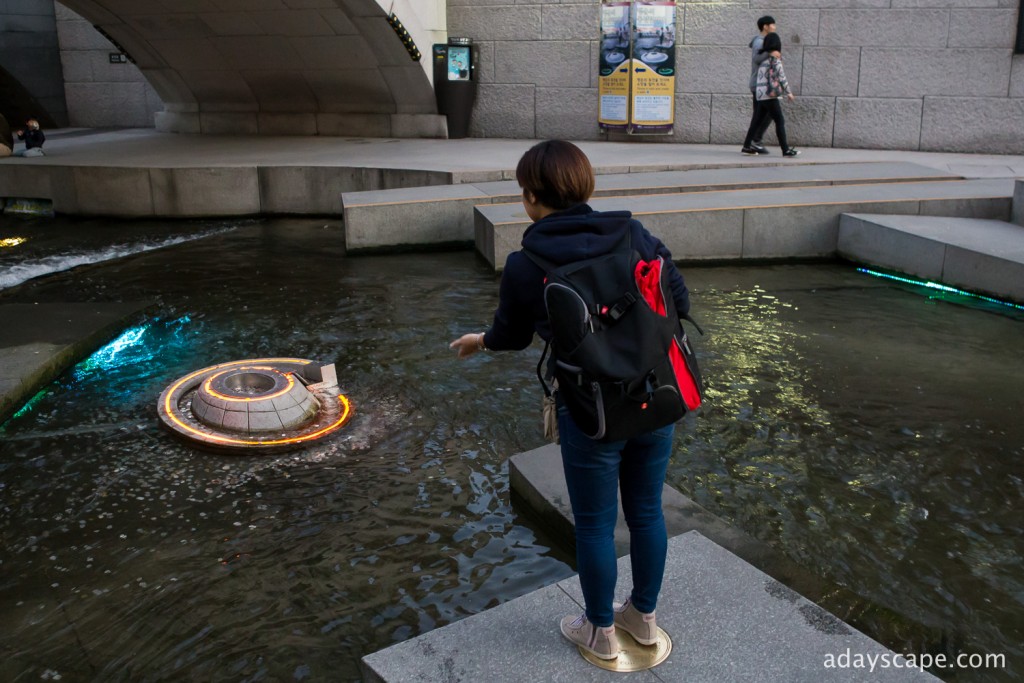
pixel 558 174
pixel 764 21
pixel 772 42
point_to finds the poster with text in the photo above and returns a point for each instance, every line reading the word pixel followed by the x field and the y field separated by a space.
pixel 652 67
pixel 613 67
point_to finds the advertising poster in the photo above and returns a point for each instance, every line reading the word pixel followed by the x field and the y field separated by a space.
pixel 653 67
pixel 458 63
pixel 613 75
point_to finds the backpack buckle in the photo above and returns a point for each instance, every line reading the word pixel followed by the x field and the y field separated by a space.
pixel 619 308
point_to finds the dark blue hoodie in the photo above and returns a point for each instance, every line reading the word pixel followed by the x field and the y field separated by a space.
pixel 563 237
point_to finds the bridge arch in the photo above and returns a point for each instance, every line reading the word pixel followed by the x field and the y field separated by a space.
pixel 280 67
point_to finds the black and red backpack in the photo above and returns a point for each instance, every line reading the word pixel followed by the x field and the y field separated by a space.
pixel 622 362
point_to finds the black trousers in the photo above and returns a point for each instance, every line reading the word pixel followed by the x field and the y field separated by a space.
pixel 768 110
pixel 759 133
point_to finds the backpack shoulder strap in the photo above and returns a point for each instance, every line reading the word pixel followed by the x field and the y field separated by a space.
pixel 538 260
pixel 547 267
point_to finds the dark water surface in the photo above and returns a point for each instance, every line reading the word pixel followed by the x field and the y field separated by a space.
pixel 871 433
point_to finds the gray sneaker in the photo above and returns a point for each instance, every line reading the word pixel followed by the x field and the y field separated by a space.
pixel 637 624
pixel 598 641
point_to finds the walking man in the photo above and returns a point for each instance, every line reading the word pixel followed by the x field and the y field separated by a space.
pixel 765 25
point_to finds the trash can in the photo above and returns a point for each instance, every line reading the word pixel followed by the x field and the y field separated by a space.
pixel 455 83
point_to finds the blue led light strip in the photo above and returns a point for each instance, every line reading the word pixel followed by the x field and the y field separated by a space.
pixel 939 286
pixel 106 357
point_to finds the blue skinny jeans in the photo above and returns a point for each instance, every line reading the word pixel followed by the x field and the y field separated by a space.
pixel 593 472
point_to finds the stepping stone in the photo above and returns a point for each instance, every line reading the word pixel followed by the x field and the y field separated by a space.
pixel 791 222
pixel 727 621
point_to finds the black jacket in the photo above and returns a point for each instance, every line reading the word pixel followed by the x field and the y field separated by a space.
pixel 32 138
pixel 563 237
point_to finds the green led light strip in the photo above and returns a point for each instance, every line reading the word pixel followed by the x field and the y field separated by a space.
pixel 28 407
pixel 939 286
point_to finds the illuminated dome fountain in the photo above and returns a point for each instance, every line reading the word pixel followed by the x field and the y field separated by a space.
pixel 265 404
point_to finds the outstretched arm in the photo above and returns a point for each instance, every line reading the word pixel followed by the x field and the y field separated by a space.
pixel 468 344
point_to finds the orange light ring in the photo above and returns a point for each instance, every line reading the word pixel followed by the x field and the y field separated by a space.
pixel 183 385
pixel 208 385
pixel 346 412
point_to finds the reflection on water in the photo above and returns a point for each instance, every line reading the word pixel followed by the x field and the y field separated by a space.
pixel 871 433
pixel 875 436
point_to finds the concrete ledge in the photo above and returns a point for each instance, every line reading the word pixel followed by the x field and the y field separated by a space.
pixel 727 620
pixel 978 255
pixel 422 217
pixel 318 190
pixel 38 342
pixel 1018 203
pixel 194 192
pixel 800 222
pixel 186 192
pixel 445 214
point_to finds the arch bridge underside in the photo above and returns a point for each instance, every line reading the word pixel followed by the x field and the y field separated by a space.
pixel 279 67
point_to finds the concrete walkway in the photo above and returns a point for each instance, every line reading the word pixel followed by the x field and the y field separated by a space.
pixel 147 148
pixel 141 172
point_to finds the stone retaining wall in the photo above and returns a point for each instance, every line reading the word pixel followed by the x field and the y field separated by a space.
pixel 101 94
pixel 30 56
pixel 934 75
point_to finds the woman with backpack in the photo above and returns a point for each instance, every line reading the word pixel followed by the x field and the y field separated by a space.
pixel 771 85
pixel 557 180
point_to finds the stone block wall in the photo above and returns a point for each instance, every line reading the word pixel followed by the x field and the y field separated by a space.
pixel 101 94
pixel 29 54
pixel 932 75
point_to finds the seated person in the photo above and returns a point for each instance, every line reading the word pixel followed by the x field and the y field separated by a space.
pixel 33 138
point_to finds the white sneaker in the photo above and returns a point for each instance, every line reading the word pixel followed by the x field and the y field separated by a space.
pixel 642 627
pixel 597 640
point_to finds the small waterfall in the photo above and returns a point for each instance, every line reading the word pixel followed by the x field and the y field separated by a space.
pixel 14 275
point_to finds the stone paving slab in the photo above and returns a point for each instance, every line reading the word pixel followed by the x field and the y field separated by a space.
pixel 444 213
pixel 727 620
pixel 38 342
pixel 978 255
pixel 794 222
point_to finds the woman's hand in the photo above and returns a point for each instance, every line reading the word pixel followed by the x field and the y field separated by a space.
pixel 790 96
pixel 468 344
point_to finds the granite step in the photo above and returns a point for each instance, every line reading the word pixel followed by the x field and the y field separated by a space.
pixel 727 621
pixel 441 214
pixel 978 255
pixel 778 223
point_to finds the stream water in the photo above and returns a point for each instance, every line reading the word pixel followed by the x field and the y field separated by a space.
pixel 868 430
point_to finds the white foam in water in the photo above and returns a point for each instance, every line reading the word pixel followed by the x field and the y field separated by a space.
pixel 13 276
